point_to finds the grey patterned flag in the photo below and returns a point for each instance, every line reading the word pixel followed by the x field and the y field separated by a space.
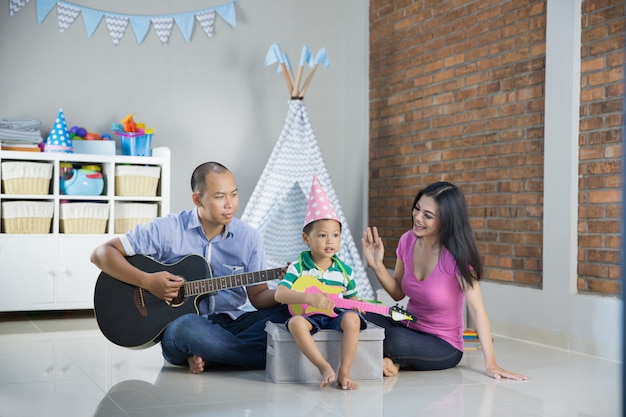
pixel 16 5
pixel 117 27
pixel 207 22
pixel 163 28
pixel 66 15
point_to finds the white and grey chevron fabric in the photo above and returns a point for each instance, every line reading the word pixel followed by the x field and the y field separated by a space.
pixel 117 27
pixel 16 5
pixel 163 28
pixel 66 15
pixel 207 22
pixel 278 203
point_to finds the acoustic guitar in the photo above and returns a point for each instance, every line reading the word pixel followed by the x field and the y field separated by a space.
pixel 309 284
pixel 133 317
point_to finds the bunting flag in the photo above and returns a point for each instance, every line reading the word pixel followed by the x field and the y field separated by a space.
pixel 116 23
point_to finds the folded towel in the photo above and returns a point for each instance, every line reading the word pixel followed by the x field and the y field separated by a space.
pixel 20 131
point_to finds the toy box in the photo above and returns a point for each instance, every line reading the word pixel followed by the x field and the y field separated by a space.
pixel 94 147
pixel 287 364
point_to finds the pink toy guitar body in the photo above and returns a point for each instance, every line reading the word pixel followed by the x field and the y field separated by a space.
pixel 309 284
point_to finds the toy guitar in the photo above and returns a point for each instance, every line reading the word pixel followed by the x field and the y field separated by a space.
pixel 133 317
pixel 311 284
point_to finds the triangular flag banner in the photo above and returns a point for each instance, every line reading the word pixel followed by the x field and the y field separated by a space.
pixel 163 28
pixel 207 22
pixel 227 12
pixel 117 22
pixel 117 27
pixel 140 25
pixel 43 9
pixel 16 5
pixel 279 201
pixel 66 15
pixel 59 138
pixel 92 19
pixel 185 24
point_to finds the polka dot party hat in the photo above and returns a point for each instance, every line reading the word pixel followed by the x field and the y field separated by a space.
pixel 319 207
pixel 59 139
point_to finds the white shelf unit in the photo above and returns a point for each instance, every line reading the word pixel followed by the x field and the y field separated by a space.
pixel 52 271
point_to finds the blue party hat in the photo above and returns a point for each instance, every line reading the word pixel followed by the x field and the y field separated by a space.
pixel 59 139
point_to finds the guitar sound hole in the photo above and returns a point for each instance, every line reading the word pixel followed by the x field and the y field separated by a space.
pixel 180 298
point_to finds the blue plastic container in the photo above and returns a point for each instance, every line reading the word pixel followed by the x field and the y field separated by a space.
pixel 135 144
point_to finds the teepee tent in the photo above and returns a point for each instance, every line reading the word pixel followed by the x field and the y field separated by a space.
pixel 279 201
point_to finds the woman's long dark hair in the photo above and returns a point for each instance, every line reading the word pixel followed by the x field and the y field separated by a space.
pixel 455 232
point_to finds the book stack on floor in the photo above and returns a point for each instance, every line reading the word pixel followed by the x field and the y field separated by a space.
pixel 470 340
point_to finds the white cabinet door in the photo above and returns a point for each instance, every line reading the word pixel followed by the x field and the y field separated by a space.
pixel 76 275
pixel 27 268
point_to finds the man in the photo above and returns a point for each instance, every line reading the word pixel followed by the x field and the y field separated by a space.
pixel 222 333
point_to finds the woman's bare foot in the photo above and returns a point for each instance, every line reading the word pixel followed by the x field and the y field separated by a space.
pixel 390 368
pixel 345 383
pixel 328 376
pixel 196 364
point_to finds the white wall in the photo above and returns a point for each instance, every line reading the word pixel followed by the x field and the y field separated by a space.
pixel 209 99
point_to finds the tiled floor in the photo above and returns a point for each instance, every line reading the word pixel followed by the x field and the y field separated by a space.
pixel 61 365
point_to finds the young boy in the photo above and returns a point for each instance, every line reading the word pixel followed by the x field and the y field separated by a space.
pixel 322 234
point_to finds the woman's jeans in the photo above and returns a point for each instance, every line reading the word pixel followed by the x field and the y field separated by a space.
pixel 414 350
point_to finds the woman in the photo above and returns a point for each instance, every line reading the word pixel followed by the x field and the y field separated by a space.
pixel 438 267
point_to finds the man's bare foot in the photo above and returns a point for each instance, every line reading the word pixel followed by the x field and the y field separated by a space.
pixel 390 368
pixel 328 376
pixel 345 383
pixel 196 364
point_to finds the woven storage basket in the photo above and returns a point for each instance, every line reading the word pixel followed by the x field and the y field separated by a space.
pixel 129 215
pixel 84 218
pixel 26 177
pixel 136 180
pixel 27 216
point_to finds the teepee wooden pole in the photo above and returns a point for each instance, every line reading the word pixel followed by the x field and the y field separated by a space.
pixel 296 85
pixel 307 81
pixel 287 76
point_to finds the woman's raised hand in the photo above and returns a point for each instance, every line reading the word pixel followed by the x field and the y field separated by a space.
pixel 373 247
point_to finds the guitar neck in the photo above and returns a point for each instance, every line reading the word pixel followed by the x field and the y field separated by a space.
pixel 209 285
pixel 367 307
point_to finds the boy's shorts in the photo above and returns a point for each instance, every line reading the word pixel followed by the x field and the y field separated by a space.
pixel 321 321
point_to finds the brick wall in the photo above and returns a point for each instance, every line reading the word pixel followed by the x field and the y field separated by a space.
pixel 457 94
pixel 601 147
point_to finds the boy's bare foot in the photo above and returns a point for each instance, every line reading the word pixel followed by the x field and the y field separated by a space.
pixel 196 364
pixel 345 383
pixel 390 368
pixel 328 376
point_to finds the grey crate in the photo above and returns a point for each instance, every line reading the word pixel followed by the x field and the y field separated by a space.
pixel 286 364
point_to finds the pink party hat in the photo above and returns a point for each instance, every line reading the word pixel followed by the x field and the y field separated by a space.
pixel 59 139
pixel 319 206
